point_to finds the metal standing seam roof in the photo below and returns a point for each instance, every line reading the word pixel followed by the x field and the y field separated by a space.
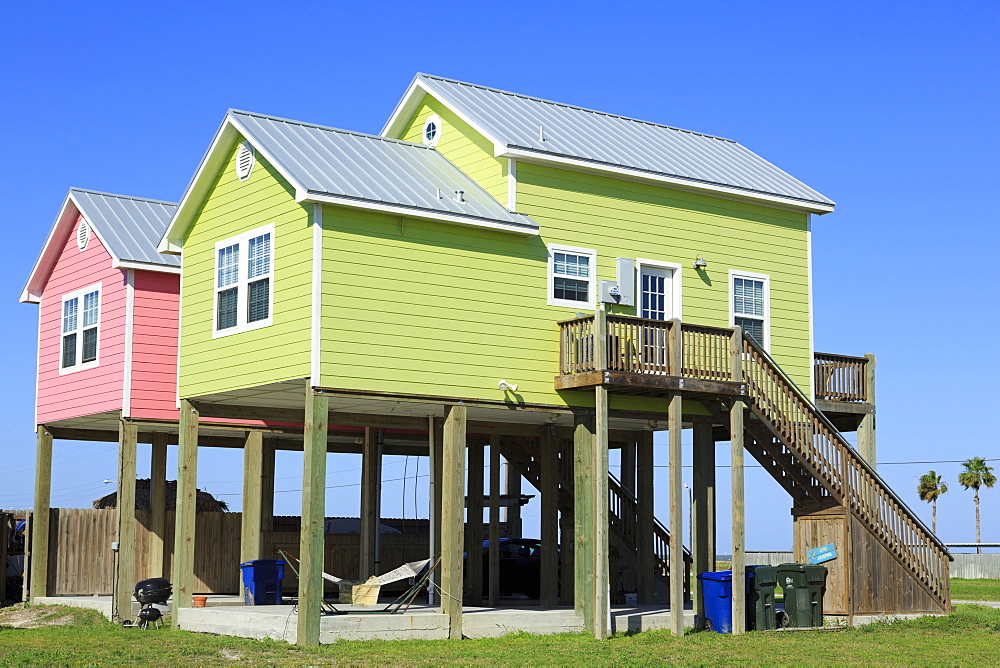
pixel 534 124
pixel 130 227
pixel 355 166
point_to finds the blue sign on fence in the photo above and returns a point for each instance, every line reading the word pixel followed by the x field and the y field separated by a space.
pixel 820 554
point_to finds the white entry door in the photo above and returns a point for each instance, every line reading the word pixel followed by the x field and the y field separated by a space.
pixel 656 291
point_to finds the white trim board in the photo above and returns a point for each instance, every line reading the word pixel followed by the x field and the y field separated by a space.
pixel 316 335
pixel 737 194
pixel 129 338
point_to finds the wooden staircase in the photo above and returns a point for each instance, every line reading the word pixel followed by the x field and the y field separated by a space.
pixel 622 517
pixel 888 561
pixel 805 453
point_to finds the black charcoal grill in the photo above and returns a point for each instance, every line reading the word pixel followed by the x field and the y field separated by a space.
pixel 149 593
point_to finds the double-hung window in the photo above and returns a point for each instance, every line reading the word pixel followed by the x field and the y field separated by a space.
pixel 571 276
pixel 243 281
pixel 750 301
pixel 80 329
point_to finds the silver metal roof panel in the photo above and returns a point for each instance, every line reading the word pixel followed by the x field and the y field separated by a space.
pixel 129 226
pixel 338 163
pixel 546 127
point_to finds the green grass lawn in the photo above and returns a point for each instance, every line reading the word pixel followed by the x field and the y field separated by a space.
pixel 975 590
pixel 969 636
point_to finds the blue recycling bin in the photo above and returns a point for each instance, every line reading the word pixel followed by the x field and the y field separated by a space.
pixel 717 591
pixel 262 581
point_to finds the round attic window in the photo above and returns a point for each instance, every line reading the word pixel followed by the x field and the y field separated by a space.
pixel 432 130
pixel 82 235
pixel 245 160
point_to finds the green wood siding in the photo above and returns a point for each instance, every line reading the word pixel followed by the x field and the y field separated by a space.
pixel 622 218
pixel 269 354
pixel 467 149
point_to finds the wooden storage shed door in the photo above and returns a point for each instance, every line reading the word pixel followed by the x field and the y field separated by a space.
pixel 815 527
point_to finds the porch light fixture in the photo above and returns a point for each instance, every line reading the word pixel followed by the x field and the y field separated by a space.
pixel 699 263
pixel 507 387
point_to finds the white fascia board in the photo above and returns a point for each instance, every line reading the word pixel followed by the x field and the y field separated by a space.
pixel 408 104
pixel 67 216
pixel 647 177
pixel 32 291
pixel 419 213
pixel 146 266
pixel 172 241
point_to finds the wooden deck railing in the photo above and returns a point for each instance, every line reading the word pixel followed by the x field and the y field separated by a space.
pixel 652 347
pixel 842 377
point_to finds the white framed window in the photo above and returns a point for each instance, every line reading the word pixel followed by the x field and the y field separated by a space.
pixel 750 305
pixel 244 292
pixel 572 273
pixel 80 329
pixel 659 289
pixel 431 133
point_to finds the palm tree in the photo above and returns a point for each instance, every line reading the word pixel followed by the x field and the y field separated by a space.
pixel 977 474
pixel 930 487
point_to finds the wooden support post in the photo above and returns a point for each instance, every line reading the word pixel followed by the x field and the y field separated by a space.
pixel 185 515
pixel 583 516
pixel 512 512
pixel 628 454
pixel 5 529
pixel 645 496
pixel 369 502
pixel 436 441
pixel 157 504
pixel 675 415
pixel 548 453
pixel 124 558
pixel 567 525
pixel 40 516
pixel 474 525
pixel 311 536
pixel 736 460
pixel 703 513
pixel 251 543
pixel 494 573
pixel 267 487
pixel 452 495
pixel 866 430
pixel 601 579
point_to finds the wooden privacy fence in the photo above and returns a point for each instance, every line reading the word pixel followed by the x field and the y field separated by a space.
pixel 81 561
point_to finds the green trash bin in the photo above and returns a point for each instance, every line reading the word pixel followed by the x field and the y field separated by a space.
pixel 761 614
pixel 804 585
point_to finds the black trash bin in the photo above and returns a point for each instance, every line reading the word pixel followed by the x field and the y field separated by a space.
pixel 804 585
pixel 761 613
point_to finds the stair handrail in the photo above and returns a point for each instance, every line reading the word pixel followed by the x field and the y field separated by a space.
pixel 657 524
pixel 748 340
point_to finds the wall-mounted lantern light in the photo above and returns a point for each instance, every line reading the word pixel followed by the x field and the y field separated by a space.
pixel 699 264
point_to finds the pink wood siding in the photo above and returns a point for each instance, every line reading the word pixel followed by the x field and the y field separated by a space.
pixel 94 390
pixel 154 345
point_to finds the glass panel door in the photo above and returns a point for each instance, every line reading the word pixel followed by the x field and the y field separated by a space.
pixel 655 293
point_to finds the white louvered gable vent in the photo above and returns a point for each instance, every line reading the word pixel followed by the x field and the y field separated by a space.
pixel 82 235
pixel 245 160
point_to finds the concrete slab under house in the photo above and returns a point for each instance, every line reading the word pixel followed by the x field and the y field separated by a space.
pixel 493 278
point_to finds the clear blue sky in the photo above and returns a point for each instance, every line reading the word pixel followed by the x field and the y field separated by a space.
pixel 889 108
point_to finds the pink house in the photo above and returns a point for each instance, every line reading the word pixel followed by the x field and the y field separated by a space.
pixel 108 319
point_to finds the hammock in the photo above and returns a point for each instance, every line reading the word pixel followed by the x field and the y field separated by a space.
pixel 415 569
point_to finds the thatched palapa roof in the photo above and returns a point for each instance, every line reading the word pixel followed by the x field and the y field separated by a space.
pixel 206 502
